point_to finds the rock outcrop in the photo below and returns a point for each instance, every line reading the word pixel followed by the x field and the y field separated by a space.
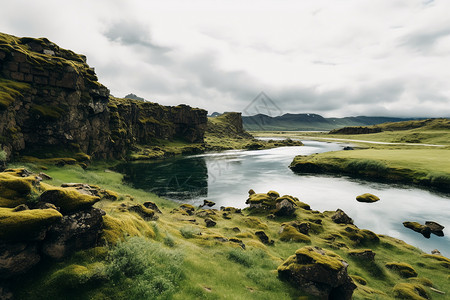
pixel 38 229
pixel 319 272
pixel 50 98
pixel 273 203
pixel 228 124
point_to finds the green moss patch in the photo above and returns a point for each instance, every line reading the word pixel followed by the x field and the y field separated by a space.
pixel 25 224
pixel 68 199
pixel 117 229
pixel 367 198
pixel 403 269
pixel 411 291
pixel 290 234
pixel 47 112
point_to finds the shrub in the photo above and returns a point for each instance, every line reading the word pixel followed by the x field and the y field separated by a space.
pixel 189 232
pixel 2 156
pixel 242 257
pixel 156 272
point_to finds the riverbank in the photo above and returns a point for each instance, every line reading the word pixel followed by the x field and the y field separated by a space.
pixel 424 167
pixel 194 252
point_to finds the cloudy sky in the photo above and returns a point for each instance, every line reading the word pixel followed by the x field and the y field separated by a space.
pixel 332 57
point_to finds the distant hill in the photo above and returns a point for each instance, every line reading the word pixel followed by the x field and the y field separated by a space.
pixel 134 97
pixel 215 114
pixel 310 122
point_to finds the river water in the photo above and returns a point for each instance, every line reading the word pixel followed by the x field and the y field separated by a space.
pixel 225 178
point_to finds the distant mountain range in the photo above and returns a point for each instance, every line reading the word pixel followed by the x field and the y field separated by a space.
pixel 310 122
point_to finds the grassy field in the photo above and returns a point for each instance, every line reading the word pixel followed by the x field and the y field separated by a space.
pixel 178 257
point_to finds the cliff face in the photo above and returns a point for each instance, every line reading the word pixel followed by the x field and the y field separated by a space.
pixel 138 122
pixel 228 124
pixel 50 97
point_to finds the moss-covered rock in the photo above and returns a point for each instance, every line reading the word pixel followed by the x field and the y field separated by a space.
pixel 26 224
pixel 14 188
pixel 146 213
pixel 362 254
pixel 340 217
pixel 412 291
pixel 289 233
pixel 367 198
pixel 319 272
pixel 403 269
pixel 68 199
pixel 254 222
pixel 417 227
pixel 360 236
pixel 441 260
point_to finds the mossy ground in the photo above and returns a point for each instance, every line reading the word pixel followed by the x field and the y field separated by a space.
pixel 211 261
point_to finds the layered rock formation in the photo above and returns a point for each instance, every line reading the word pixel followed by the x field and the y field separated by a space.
pixel 50 97
pixel 46 226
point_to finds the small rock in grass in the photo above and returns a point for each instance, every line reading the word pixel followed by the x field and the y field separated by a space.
pixel 340 217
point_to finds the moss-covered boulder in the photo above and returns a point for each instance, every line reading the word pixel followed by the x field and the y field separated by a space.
pixel 261 201
pixel 340 217
pixel 15 187
pixel 68 200
pixel 403 269
pixel 362 254
pixel 289 233
pixel 417 227
pixel 26 225
pixel 318 272
pixel 367 198
pixel 411 291
pixel 80 230
pixel 360 236
pixel 146 213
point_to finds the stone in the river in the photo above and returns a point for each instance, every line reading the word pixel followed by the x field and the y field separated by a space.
pixel 424 230
pixel 367 198
pixel 435 228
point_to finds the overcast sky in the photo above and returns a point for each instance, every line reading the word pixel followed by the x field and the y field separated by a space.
pixel 331 57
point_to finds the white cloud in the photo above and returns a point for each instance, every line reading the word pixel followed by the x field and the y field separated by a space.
pixel 337 58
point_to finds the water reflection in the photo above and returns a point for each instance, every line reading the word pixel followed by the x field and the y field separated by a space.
pixel 182 178
pixel 226 177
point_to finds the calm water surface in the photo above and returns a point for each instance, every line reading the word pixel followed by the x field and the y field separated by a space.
pixel 226 177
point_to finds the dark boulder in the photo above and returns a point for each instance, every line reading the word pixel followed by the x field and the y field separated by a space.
pixel 17 258
pixel 210 222
pixel 77 231
pixel 424 230
pixel 152 206
pixel 340 217
pixel 435 228
pixel 264 238
pixel 318 272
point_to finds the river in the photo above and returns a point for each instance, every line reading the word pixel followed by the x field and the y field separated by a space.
pixel 225 178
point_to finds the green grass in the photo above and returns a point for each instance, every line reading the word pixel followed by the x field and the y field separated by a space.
pixel 427 167
pixel 208 265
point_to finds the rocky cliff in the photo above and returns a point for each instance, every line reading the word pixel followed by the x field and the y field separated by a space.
pixel 50 97
pixel 228 124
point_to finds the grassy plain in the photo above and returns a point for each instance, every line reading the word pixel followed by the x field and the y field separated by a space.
pixel 178 257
